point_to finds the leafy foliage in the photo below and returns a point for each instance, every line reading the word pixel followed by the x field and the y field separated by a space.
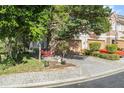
pixel 112 48
pixel 69 21
pixel 19 25
pixel 90 19
pixel 88 52
pixel 94 46
pixel 106 56
pixel 63 47
pixel 32 65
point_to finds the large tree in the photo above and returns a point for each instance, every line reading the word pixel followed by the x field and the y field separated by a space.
pixel 21 24
pixel 59 17
pixel 68 21
pixel 90 18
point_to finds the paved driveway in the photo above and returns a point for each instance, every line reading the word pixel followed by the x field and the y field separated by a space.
pixel 85 67
pixel 92 66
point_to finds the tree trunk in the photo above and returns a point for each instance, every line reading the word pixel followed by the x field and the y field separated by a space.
pixel 9 47
pixel 53 44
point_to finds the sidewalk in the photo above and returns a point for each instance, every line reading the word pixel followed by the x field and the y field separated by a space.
pixel 86 68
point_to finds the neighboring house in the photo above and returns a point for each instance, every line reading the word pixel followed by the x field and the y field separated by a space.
pixel 116 34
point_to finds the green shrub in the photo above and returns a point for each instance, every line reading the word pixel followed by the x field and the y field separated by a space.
pixel 87 52
pixel 9 62
pixel 95 54
pixel 6 63
pixel 3 67
pixel 106 56
pixel 119 48
pixel 18 53
pixel 112 48
pixel 94 46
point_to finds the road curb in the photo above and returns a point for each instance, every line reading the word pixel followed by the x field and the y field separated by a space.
pixel 58 83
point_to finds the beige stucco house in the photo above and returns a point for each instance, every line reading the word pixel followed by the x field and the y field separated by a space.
pixel 116 34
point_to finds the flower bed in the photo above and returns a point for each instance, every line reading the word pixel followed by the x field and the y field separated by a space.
pixel 103 51
pixel 106 56
pixel 121 53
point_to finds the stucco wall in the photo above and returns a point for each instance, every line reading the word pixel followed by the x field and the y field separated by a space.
pixel 103 44
pixel 120 43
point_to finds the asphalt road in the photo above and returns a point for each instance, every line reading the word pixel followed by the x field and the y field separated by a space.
pixel 113 81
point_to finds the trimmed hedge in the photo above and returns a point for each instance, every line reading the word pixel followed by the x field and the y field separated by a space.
pixel 94 46
pixel 112 48
pixel 106 56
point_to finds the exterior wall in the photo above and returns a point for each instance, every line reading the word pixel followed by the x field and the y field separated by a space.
pixel 103 44
pixel 117 31
pixel 120 43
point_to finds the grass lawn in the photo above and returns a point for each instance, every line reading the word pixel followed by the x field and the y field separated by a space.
pixel 32 65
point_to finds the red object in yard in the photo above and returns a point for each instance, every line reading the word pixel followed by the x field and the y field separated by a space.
pixel 121 53
pixel 47 53
pixel 103 51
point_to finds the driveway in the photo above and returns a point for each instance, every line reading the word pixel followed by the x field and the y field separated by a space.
pixel 94 66
pixel 86 67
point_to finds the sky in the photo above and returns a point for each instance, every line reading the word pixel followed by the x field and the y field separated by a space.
pixel 119 9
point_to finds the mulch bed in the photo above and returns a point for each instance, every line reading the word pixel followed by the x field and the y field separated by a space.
pixel 58 66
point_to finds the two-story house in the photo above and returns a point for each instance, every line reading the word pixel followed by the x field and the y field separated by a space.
pixel 115 35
